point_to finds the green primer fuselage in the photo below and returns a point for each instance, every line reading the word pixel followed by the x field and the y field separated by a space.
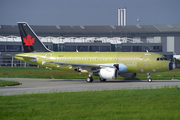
pixel 136 62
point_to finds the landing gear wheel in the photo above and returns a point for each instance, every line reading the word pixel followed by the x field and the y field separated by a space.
pixel 89 79
pixel 149 77
pixel 102 80
pixel 149 80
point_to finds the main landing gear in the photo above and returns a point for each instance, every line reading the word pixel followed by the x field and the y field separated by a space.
pixel 102 80
pixel 90 79
pixel 149 77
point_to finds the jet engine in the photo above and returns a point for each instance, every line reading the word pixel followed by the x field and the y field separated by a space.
pixel 128 75
pixel 108 73
pixel 121 68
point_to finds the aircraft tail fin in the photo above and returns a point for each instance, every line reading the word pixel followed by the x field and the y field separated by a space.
pixel 30 41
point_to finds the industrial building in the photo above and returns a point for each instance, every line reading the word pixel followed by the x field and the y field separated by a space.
pixel 164 39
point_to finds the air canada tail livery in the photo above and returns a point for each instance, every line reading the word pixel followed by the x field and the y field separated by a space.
pixel 30 41
pixel 106 65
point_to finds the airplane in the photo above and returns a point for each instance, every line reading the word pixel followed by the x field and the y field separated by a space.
pixel 106 65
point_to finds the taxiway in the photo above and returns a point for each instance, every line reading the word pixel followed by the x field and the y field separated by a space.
pixel 68 85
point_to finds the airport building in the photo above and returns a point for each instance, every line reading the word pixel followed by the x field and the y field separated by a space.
pixel 163 39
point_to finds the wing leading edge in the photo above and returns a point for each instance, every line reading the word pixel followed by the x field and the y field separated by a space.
pixel 88 67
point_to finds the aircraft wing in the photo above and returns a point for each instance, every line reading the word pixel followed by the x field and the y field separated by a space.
pixel 88 67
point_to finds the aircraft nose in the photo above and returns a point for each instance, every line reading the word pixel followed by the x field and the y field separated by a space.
pixel 171 65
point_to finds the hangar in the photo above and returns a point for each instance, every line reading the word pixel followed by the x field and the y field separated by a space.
pixel 164 39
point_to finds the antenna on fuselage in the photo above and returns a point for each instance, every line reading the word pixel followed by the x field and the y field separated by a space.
pixel 77 50
pixel 146 50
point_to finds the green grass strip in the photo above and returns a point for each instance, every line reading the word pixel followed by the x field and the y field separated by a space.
pixel 4 83
pixel 156 104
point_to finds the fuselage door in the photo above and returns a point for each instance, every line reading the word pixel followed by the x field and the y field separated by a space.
pixel 48 57
pixel 146 63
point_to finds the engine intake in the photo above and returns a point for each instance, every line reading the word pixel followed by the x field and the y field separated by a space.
pixel 121 68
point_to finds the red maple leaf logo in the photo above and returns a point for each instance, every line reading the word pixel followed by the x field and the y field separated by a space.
pixel 28 42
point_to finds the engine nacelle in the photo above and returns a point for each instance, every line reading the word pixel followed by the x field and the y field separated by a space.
pixel 108 73
pixel 121 68
pixel 128 75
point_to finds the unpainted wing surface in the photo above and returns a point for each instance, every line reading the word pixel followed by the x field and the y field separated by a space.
pixel 88 67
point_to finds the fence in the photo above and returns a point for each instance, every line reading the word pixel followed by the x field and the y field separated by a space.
pixel 6 61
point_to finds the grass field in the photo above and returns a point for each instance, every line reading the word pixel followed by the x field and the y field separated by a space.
pixel 31 72
pixel 156 104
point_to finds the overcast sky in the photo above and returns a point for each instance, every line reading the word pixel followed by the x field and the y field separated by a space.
pixel 89 12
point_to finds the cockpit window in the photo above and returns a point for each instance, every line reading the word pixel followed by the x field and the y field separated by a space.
pixel 165 58
pixel 161 58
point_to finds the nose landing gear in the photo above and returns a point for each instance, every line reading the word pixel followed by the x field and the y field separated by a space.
pixel 149 77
